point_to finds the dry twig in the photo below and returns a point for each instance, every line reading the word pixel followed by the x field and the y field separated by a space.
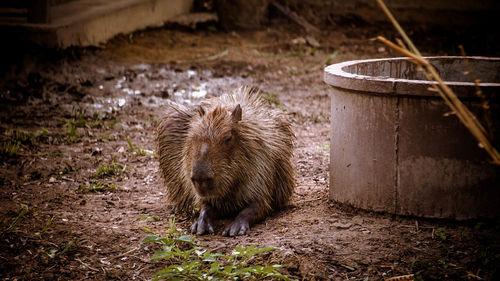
pixel 205 59
pixel 86 265
pixel 125 254
pixel 485 105
pixel 463 113
pixel 409 277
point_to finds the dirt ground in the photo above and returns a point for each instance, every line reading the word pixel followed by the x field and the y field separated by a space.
pixel 73 112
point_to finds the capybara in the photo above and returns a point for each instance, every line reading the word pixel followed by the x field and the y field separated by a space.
pixel 228 157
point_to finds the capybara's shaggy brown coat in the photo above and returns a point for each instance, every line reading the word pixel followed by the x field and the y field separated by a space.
pixel 230 156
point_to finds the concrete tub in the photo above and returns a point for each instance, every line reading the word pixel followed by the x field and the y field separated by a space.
pixel 393 150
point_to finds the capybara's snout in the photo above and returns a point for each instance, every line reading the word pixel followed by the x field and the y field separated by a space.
pixel 202 177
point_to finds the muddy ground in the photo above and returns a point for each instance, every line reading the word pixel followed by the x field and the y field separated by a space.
pixel 72 112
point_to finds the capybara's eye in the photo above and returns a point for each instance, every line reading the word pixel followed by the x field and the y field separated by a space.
pixel 227 140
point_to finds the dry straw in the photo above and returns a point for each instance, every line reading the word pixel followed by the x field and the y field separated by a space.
pixel 458 108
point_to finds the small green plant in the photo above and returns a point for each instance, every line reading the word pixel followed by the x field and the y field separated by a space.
pixel 113 169
pixel 414 263
pixel 330 58
pixel 11 140
pixel 479 225
pixel 324 147
pixel 297 53
pixel 440 233
pixel 81 120
pixel 112 122
pixel 25 137
pixel 138 150
pixel 52 154
pixel 97 186
pixel 313 51
pixel 152 121
pixel 107 137
pixel 444 263
pixel 9 148
pixel 67 169
pixel 273 100
pixel 47 225
pixel 146 218
pixel 97 121
pixel 22 212
pixel 61 250
pixel 462 230
pixel 72 133
pixel 188 260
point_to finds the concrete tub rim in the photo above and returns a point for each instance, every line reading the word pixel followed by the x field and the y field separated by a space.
pixel 336 75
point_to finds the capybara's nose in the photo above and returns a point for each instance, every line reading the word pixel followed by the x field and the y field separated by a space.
pixel 201 178
pixel 202 173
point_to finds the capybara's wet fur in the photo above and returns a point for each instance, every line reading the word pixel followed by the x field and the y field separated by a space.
pixel 230 156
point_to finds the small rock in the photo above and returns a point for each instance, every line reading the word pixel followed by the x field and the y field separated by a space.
pixel 283 230
pixel 97 151
pixel 52 179
pixel 299 41
pixel 342 225
pixel 312 41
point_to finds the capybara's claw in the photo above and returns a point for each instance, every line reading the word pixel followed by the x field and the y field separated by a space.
pixel 194 227
pixel 202 226
pixel 237 227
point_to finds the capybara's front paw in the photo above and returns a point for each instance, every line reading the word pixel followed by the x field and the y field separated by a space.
pixel 238 227
pixel 202 226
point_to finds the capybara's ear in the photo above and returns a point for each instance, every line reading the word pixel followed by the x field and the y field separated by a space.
pixel 236 113
pixel 200 110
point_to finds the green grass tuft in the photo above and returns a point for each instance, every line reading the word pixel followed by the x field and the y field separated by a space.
pixel 20 215
pixel 273 100
pixel 12 140
pixel 187 260
pixel 138 150
pixel 324 148
pixel 9 148
pixel 113 169
pixel 97 186
pixel 82 121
